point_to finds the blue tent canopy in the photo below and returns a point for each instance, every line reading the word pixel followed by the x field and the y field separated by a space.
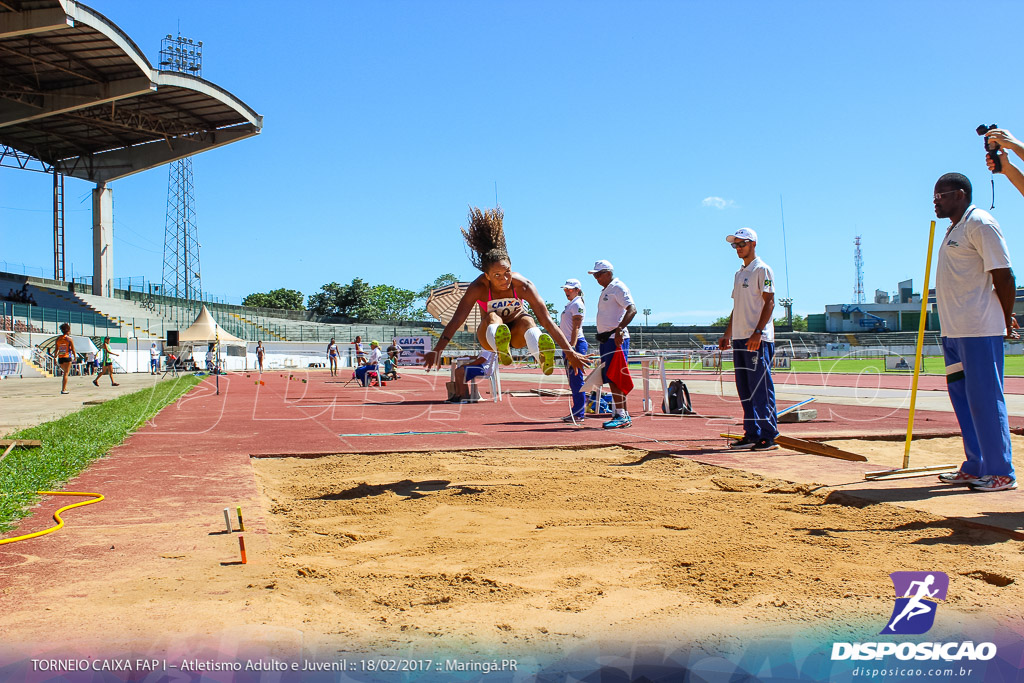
pixel 10 361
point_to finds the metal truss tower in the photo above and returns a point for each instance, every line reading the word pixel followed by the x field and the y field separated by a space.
pixel 858 264
pixel 181 273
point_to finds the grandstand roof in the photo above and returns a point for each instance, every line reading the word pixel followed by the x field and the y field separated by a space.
pixel 78 94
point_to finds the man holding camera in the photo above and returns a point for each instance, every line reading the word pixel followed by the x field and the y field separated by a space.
pixel 752 335
pixel 615 310
pixel 975 291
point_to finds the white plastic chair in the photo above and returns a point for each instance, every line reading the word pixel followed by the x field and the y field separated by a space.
pixel 495 379
pixel 474 393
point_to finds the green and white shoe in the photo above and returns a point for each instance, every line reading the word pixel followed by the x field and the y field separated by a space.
pixel 547 353
pixel 502 338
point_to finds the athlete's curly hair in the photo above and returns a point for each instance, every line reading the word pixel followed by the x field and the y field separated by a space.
pixel 485 237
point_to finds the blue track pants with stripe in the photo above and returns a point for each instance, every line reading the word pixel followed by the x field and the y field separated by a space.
pixel 974 378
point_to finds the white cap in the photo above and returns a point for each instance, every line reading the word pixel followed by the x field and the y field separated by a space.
pixel 601 265
pixel 742 234
pixel 572 283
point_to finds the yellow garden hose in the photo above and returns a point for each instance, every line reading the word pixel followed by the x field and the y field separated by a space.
pixel 96 497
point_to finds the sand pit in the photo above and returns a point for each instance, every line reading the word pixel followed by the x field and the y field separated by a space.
pixel 507 553
pixel 540 551
pixel 923 452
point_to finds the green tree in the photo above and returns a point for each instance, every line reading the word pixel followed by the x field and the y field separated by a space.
pixel 362 301
pixel 664 325
pixel 799 322
pixel 439 281
pixel 555 313
pixel 287 299
pixel 721 322
pixel 347 301
pixel 387 302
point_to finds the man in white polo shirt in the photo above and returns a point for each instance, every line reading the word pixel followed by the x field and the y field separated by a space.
pixel 615 310
pixel 751 333
pixel 975 290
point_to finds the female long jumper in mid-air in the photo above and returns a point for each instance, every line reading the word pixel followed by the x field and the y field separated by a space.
pixel 500 293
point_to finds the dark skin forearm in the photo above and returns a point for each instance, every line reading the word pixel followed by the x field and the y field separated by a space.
pixel 628 317
pixel 1004 283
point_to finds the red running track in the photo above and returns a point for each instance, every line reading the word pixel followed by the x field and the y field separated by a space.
pixel 287 416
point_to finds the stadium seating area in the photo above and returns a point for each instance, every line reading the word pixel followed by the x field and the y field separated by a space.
pixel 135 314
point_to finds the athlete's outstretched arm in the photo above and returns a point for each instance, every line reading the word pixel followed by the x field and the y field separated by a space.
pixel 540 310
pixel 473 292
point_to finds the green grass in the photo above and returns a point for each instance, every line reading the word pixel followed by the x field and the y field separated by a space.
pixel 1013 365
pixel 71 443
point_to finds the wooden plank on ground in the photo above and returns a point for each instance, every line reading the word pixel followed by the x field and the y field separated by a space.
pixel 812 447
pixel 13 443
pixel 551 392
pixel 816 448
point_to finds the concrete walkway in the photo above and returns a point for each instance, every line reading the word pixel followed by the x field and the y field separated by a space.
pixel 25 402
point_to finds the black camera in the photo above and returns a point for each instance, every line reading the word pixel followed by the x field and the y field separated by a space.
pixel 990 147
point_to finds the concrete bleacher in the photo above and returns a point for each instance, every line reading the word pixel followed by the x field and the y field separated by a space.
pixel 46 297
pixel 52 307
pixel 141 315
pixel 137 314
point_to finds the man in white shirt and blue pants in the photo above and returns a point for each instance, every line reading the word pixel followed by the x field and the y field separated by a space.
pixel 752 336
pixel 615 310
pixel 975 291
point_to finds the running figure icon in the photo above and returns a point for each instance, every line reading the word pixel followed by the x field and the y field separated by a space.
pixel 916 604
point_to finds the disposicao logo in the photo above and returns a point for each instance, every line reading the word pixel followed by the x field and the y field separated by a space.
pixel 916 596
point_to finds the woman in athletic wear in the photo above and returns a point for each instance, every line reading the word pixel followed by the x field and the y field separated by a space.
pixel 332 357
pixel 501 294
pixel 360 354
pixel 65 349
pixel 260 352
pixel 107 364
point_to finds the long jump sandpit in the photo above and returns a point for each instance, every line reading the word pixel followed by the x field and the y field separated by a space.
pixel 533 553
pixel 529 550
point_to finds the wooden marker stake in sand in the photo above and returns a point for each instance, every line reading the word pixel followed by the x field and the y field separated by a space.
pixel 241 547
pixel 906 470
pixel 241 525
pixel 227 520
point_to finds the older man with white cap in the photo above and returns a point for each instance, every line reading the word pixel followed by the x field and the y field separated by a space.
pixel 615 310
pixel 751 333
pixel 571 325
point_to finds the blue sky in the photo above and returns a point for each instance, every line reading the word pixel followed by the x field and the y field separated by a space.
pixel 609 129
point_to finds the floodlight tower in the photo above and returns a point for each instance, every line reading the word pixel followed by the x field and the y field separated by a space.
pixel 181 274
pixel 858 264
pixel 787 303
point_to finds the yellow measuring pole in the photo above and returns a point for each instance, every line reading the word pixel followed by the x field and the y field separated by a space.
pixel 920 343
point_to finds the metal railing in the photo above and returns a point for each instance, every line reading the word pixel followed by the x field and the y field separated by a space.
pixel 28 318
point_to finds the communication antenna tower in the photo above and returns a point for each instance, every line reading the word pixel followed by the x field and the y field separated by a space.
pixel 858 263
pixel 181 274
